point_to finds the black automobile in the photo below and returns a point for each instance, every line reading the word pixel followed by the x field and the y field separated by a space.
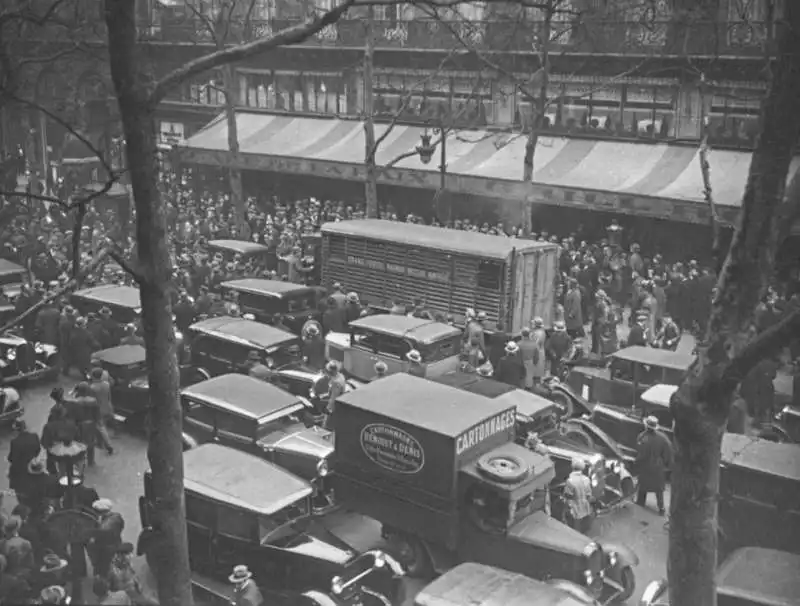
pixel 221 345
pixel 261 300
pixel 12 277
pixel 23 360
pixel 123 301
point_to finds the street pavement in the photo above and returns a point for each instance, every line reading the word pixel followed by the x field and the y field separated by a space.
pixel 119 477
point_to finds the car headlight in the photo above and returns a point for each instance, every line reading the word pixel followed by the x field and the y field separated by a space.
pixel 248 317
pixel 337 586
pixel 38 348
pixel 322 468
pixel 612 558
pixel 589 577
pixel 11 354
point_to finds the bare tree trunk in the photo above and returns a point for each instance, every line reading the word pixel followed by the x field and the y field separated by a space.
pixel 234 172
pixel 153 270
pixel 371 182
pixel 701 405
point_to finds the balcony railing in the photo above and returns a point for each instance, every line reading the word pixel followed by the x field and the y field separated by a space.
pixel 587 37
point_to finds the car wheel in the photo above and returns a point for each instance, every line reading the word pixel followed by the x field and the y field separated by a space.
pixel 578 435
pixel 564 404
pixel 503 468
pixel 411 554
pixel 628 582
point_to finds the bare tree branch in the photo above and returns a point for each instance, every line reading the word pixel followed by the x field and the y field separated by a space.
pixel 77 46
pixel 404 155
pixel 130 266
pixel 206 21
pixel 76 202
pixel 286 37
pixel 705 171
pixel 77 233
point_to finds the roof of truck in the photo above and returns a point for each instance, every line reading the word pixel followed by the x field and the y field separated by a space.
pixel 421 403
pixel 450 240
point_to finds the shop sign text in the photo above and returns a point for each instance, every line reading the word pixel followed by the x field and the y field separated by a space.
pixel 397 269
pixel 485 430
pixel 392 448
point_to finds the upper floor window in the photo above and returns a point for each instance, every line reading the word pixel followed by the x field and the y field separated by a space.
pixel 468 11
pixel 394 12
pixel 559 20
pixel 751 22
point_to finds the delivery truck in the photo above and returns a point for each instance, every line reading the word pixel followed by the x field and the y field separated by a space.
pixel 386 262
pixel 439 470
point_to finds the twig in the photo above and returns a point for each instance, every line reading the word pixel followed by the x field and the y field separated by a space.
pixel 63 204
pixel 286 37
pixel 73 283
pixel 705 171
pixel 77 232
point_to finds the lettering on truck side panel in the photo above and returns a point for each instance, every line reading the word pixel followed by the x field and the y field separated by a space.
pixel 485 430
pixel 392 448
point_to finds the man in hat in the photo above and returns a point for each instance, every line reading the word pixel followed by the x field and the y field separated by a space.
pixel 352 308
pixel 573 310
pixel 670 335
pixel 85 410
pixel 415 367
pixel 338 295
pixel 82 344
pixel 17 550
pixel 420 311
pixel 66 326
pixel 204 302
pixel 122 576
pixel 638 333
pixel 653 460
pixel 47 321
pixel 24 447
pixel 55 595
pixel 106 537
pixel 131 337
pixel 337 387
pixel 314 346
pixel 111 331
pixel 380 370
pixel 530 355
pixel 578 497
pixel 245 591
pixel 558 346
pixel 474 330
pixel 397 309
pixel 333 319
pixel 53 571
pixel 510 368
pixel 100 386
pixel 38 486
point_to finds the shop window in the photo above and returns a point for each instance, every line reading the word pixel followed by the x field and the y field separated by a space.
pixel 733 117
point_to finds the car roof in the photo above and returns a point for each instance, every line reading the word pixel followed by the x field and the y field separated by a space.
pixel 259 285
pixel 121 355
pixel 238 246
pixel 481 585
pixel 243 394
pixel 659 395
pixel 240 479
pixel 760 455
pixel 426 236
pixel 655 357
pixel 425 404
pixel 245 332
pixel 765 576
pixel 417 329
pixel 112 294
pixel 474 383
pixel 9 267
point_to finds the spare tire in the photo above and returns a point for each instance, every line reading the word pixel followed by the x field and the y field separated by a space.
pixel 504 468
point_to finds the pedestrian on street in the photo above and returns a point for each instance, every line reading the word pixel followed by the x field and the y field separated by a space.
pixel 573 310
pixel 122 576
pixel 101 390
pixel 53 571
pixel 107 536
pixel 529 354
pixel 333 320
pixel 510 369
pixel 653 460
pixel 39 487
pixel 245 590
pixel 338 296
pixel 87 415
pixel 337 387
pixel 23 449
pixel 415 367
pixel 558 345
pixel 578 497
pixel 102 589
pixel 17 551
pixel 314 346
pixel 59 429
pixel 380 370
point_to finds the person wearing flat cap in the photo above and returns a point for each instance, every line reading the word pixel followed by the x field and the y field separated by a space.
pixel 638 334
pixel 415 367
pixel 653 460
pixel 245 590
pixel 510 369
pixel 107 537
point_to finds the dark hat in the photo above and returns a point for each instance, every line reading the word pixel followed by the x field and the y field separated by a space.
pixel 97 373
pixel 254 356
pixel 105 311
pixel 125 548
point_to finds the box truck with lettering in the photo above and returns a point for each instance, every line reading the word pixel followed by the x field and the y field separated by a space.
pixel 511 280
pixel 437 467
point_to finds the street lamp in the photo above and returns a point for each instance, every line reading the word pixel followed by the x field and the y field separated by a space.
pixel 426 150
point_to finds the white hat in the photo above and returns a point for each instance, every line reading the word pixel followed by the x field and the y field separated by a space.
pixel 560 326
pixel 482 315
pixel 512 347
pixel 103 505
pixel 414 356
pixel 651 422
pixel 240 574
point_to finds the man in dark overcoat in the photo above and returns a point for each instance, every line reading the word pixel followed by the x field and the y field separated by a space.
pixel 653 460
pixel 510 368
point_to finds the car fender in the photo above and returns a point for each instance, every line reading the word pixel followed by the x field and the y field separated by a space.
pixel 625 555
pixel 579 401
pixel 593 430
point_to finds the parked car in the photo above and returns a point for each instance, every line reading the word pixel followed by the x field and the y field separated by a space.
pixel 221 345
pixel 751 576
pixel 22 360
pixel 260 300
pixel 538 422
pixel 243 248
pixel 472 584
pixel 390 338
pixel 12 277
pixel 241 509
pixel 123 301
pixel 252 415
pixel 759 494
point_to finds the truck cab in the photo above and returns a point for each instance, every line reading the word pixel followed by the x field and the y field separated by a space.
pixel 439 469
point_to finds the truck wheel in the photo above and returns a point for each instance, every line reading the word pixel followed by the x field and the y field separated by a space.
pixel 628 581
pixel 410 553
pixel 503 468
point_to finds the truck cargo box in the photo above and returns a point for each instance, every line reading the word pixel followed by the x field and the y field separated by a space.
pixel 512 280
pixel 407 435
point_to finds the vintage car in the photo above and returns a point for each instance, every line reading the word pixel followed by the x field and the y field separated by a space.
pixel 252 415
pixel 439 469
pixel 241 509
pixel 539 424
pixel 751 576
pixel 22 360
pixel 221 345
pixel 260 300
pixel 12 277
pixel 242 248
pixel 390 338
pixel 123 301
pixel 787 425
pixel 369 580
pixel 759 494
pixel 472 584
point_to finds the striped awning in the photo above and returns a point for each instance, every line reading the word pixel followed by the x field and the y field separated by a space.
pixel 607 175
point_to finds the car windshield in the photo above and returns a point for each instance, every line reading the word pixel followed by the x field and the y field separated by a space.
pixel 277 425
pixel 277 529
pixel 300 302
